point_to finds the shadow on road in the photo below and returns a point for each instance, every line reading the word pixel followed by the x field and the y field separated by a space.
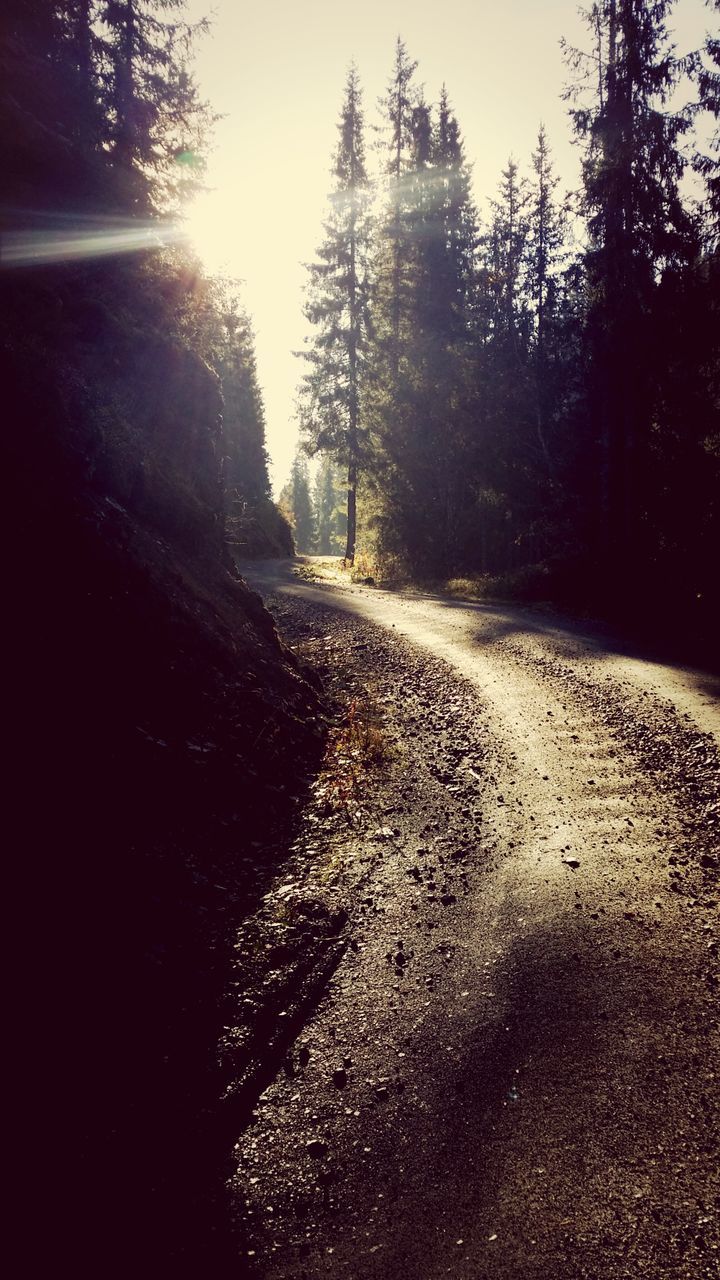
pixel 566 636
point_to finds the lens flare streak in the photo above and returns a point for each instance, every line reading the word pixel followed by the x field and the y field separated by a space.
pixel 38 247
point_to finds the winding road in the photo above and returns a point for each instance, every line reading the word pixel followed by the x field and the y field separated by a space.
pixel 515 1071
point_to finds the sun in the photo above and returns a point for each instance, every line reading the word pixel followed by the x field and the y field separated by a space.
pixel 211 230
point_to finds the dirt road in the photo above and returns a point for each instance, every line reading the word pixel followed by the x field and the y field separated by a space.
pixel 515 1071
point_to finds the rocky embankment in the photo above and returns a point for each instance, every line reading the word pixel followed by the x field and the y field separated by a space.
pixel 162 738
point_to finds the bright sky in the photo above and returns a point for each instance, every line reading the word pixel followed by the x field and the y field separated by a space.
pixel 276 70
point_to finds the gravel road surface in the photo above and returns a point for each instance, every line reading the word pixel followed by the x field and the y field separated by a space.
pixel 514 1071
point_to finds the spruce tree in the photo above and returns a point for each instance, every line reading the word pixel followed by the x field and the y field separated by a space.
pixel 441 441
pixel 546 237
pixel 507 248
pixel 393 364
pixel 296 502
pixel 155 118
pixel 545 252
pixel 708 164
pixel 423 319
pixel 455 248
pixel 328 502
pixel 637 227
pixel 246 459
pixel 400 128
pixel 337 307
pixel 506 402
pixel 51 119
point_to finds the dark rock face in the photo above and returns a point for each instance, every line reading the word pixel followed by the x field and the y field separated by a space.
pixel 177 481
pixel 162 737
pixel 260 532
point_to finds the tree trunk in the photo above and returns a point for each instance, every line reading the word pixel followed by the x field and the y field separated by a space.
pixel 351 511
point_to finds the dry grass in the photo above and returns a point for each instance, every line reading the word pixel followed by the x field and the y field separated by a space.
pixel 322 569
pixel 354 749
pixel 478 587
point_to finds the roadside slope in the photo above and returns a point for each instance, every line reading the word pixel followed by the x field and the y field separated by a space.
pixel 161 736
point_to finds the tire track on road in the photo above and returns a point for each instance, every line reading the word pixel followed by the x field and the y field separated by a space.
pixel 572 1004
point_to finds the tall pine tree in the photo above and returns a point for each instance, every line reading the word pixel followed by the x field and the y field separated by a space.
pixel 330 512
pixel 297 507
pixel 393 241
pixel 545 253
pixel 155 117
pixel 708 163
pixel 636 224
pixel 337 307
pixel 423 325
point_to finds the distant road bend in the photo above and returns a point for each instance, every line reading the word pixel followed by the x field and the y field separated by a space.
pixel 533 1081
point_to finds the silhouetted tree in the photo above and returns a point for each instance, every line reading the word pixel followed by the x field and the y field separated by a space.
pixel 337 307
pixel 296 504
pixel 155 118
pixel 636 226
pixel 330 510
pixel 709 81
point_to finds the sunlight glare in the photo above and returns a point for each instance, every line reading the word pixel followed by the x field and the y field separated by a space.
pixel 74 241
pixel 263 244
